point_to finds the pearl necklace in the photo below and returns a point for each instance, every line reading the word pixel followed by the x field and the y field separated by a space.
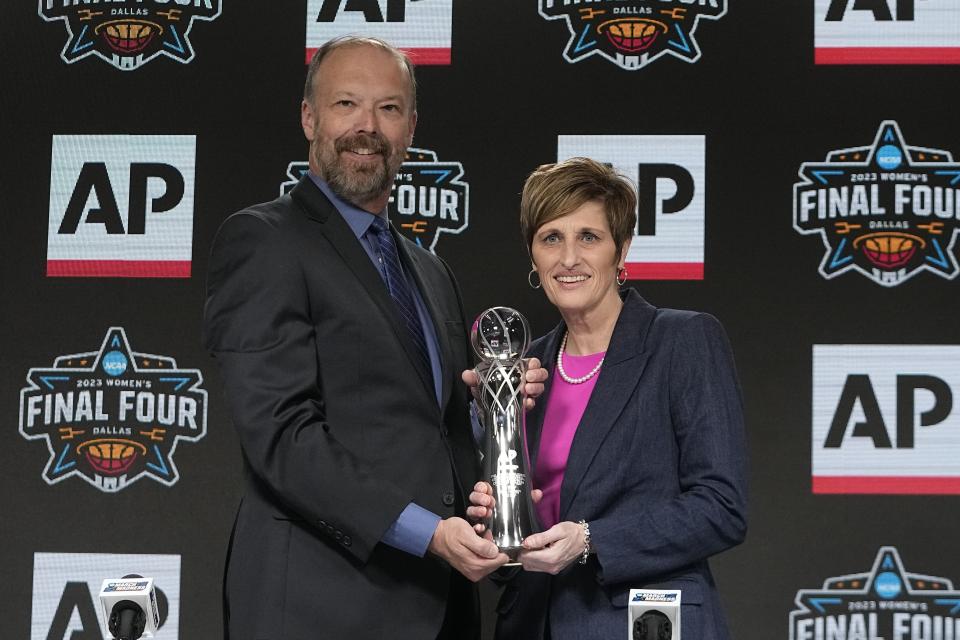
pixel 563 374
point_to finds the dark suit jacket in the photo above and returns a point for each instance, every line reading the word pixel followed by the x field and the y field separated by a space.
pixel 340 428
pixel 658 467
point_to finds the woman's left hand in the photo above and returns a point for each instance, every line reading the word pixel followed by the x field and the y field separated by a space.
pixel 553 550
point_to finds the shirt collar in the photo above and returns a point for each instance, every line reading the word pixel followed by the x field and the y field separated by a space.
pixel 357 219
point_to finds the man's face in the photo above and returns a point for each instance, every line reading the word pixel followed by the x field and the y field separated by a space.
pixel 359 124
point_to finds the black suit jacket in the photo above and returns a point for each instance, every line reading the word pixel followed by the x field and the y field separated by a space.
pixel 658 467
pixel 340 428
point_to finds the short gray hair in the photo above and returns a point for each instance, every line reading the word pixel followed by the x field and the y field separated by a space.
pixel 353 41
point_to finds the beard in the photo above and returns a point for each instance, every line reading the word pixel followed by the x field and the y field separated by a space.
pixel 358 182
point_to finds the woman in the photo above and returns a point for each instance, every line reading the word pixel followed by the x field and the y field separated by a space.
pixel 638 442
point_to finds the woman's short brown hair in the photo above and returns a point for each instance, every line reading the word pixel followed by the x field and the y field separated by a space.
pixel 555 190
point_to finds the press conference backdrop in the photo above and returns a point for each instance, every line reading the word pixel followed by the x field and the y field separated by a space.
pixel 796 172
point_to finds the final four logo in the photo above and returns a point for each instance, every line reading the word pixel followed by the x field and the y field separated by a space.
pixel 887 210
pixel 428 196
pixel 113 416
pixel 885 602
pixel 128 33
pixel 632 33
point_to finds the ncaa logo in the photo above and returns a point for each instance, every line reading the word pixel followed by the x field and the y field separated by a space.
pixel 113 416
pixel 886 32
pixel 66 587
pixel 121 206
pixel 420 27
pixel 885 602
pixel 884 419
pixel 669 172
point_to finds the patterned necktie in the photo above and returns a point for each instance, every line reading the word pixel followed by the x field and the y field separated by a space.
pixel 399 288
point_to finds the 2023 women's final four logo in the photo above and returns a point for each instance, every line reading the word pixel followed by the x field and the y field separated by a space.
pixel 632 34
pixel 887 210
pixel 114 415
pixel 128 33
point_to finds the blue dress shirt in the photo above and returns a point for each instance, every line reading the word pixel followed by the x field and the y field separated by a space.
pixel 414 527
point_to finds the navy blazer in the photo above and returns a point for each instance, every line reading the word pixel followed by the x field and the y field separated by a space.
pixel 658 467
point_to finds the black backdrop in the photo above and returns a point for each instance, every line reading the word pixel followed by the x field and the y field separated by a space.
pixel 756 95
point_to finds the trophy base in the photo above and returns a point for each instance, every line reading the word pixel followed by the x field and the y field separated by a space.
pixel 514 554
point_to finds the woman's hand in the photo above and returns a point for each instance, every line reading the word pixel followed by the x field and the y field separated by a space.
pixel 553 550
pixel 533 381
pixel 482 503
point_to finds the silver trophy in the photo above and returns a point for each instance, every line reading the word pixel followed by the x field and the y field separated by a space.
pixel 501 336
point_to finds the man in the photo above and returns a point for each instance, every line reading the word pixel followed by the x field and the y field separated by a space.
pixel 341 344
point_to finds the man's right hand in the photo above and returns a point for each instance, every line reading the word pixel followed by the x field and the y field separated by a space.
pixel 456 542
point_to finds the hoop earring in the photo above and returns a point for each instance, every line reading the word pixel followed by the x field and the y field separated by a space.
pixel 530 279
pixel 621 278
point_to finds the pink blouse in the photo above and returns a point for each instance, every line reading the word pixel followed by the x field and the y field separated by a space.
pixel 564 410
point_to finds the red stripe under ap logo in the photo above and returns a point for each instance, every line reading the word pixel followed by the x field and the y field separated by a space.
pixel 889 485
pixel 119 268
pixel 887 55
pixel 664 270
pixel 419 56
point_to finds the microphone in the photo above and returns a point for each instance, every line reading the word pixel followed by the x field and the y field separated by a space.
pixel 129 607
pixel 654 614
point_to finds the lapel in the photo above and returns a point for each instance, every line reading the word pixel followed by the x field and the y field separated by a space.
pixel 332 225
pixel 416 263
pixel 622 367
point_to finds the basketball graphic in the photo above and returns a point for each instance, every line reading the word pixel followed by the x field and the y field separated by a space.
pixel 128 36
pixel 111 457
pixel 889 249
pixel 631 35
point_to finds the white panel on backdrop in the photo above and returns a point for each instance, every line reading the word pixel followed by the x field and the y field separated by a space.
pixel 121 205
pixel 885 420
pixel 421 28
pixel 65 588
pixel 670 173
pixel 887 32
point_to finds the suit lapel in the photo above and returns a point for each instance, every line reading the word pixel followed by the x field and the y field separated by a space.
pixel 622 367
pixel 341 238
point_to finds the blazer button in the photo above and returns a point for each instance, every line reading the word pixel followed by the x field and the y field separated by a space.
pixel 346 541
pixel 322 523
pixel 330 529
pixel 338 535
pixel 448 498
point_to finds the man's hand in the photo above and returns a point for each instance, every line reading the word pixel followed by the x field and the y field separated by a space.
pixel 534 378
pixel 553 550
pixel 464 550
pixel 482 502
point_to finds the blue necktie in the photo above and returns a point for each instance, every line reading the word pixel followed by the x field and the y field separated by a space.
pixel 400 290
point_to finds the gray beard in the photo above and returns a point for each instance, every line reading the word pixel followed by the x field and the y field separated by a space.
pixel 356 186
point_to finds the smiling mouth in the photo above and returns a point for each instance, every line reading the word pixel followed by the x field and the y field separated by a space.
pixel 571 279
pixel 363 151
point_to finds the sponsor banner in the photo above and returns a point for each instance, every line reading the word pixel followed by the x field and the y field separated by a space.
pixel 885 602
pixel 121 206
pixel 887 32
pixel 421 28
pixel 669 171
pixel 128 33
pixel 632 33
pixel 888 211
pixel 114 415
pixel 428 197
pixel 66 588
pixel 885 420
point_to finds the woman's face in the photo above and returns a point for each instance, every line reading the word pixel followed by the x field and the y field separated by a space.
pixel 577 259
